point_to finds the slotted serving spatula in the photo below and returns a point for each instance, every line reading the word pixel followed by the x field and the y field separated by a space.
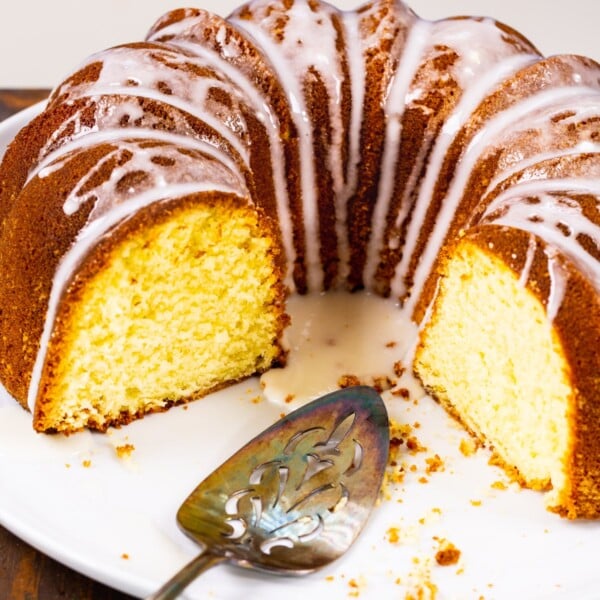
pixel 296 496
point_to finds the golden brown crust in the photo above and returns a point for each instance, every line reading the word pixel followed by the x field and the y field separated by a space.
pixel 32 249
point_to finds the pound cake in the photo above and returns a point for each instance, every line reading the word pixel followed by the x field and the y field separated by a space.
pixel 155 214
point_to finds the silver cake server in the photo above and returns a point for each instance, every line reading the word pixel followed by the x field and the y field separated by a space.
pixel 295 497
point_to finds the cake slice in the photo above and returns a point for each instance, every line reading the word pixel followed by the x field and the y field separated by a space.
pixel 498 353
pixel 159 298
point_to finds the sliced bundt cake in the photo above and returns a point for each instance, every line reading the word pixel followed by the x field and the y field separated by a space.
pixel 154 214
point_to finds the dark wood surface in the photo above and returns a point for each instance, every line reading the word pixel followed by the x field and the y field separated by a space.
pixel 25 573
pixel 12 101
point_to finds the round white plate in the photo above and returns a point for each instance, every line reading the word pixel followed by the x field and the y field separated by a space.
pixel 113 518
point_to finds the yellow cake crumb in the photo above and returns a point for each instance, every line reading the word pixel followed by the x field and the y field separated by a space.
pixel 397 475
pixel 355 586
pixel 86 463
pixel 413 444
pixel 434 464
pixel 400 430
pixel 213 255
pixel 468 446
pixel 124 450
pixel 399 433
pixel 419 584
pixel 393 535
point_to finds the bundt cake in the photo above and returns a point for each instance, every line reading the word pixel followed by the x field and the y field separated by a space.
pixel 156 213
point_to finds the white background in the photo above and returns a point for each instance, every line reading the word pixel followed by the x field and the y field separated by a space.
pixel 43 40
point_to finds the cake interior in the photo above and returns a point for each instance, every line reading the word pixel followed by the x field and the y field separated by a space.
pixel 490 355
pixel 188 302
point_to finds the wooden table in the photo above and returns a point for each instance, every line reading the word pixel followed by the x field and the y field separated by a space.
pixel 25 573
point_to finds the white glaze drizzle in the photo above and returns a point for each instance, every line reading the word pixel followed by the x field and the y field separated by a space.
pixel 290 66
pixel 485 137
pixel 559 278
pixel 141 73
pixel 211 121
pixel 523 165
pixel 138 158
pixel 481 67
pixel 526 270
pixel 395 107
pixel 533 188
pixel 554 207
pixel 60 133
pixel 56 160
